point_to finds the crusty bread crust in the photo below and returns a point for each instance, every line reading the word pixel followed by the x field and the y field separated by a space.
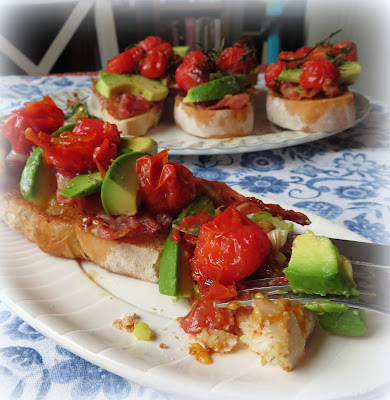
pixel 213 123
pixel 138 125
pixel 312 115
pixel 137 256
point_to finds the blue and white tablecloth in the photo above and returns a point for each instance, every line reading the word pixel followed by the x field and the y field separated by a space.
pixel 344 178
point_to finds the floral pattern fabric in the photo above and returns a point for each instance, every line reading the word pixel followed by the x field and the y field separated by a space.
pixel 344 178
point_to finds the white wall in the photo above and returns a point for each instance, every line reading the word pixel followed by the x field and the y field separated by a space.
pixel 367 23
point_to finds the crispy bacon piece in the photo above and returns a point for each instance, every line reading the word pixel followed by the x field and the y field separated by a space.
pixel 234 102
pixel 125 105
pixel 293 91
pixel 223 195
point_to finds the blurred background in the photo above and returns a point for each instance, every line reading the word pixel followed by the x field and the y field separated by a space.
pixel 39 37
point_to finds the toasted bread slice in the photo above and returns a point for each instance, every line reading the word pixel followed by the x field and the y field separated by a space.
pixel 213 123
pixel 62 235
pixel 138 125
pixel 312 115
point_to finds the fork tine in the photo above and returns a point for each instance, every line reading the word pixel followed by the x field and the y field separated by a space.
pixel 373 282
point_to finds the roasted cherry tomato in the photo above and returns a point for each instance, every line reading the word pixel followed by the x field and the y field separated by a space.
pixel 121 64
pixel 316 73
pixel 204 315
pixel 137 52
pixel 302 52
pixel 150 42
pixel 153 66
pixel 165 187
pixel 326 52
pixel 236 59
pixel 190 75
pixel 231 247
pixel 164 48
pixel 272 72
pixel 348 50
pixel 41 115
pixel 75 150
pixel 195 57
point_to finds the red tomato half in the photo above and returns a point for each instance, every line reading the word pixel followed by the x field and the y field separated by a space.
pixel 272 72
pixel 121 64
pixel 316 73
pixel 165 187
pixel 302 52
pixel 236 59
pixel 153 66
pixel 204 315
pixel 189 75
pixel 150 42
pixel 41 115
pixel 76 150
pixel 348 49
pixel 230 248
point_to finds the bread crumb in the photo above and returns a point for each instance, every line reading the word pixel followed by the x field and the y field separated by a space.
pixel 201 354
pixel 163 346
pixel 126 323
pixel 218 340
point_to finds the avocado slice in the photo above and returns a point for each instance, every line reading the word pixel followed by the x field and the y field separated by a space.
pixel 181 51
pixel 37 182
pixel 317 267
pixel 83 185
pixel 216 89
pixel 349 73
pixel 111 85
pixel 175 270
pixel 140 144
pixel 346 323
pixel 119 192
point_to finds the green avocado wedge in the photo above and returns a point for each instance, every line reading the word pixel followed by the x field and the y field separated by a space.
pixel 119 192
pixel 37 182
pixel 181 51
pixel 317 267
pixel 83 185
pixel 216 89
pixel 111 85
pixel 175 270
pixel 345 323
pixel 140 144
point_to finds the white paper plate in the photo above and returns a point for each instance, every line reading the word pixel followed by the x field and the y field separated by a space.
pixel 265 135
pixel 75 304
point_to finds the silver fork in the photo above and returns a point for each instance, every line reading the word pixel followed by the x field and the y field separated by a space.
pixel 371 267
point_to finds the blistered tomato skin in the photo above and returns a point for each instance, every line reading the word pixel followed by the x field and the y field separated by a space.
pixel 204 315
pixel 76 150
pixel 150 42
pixel 230 248
pixel 41 115
pixel 316 73
pixel 121 64
pixel 189 75
pixel 236 60
pixel 347 50
pixel 165 187
pixel 153 66
pixel 272 72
